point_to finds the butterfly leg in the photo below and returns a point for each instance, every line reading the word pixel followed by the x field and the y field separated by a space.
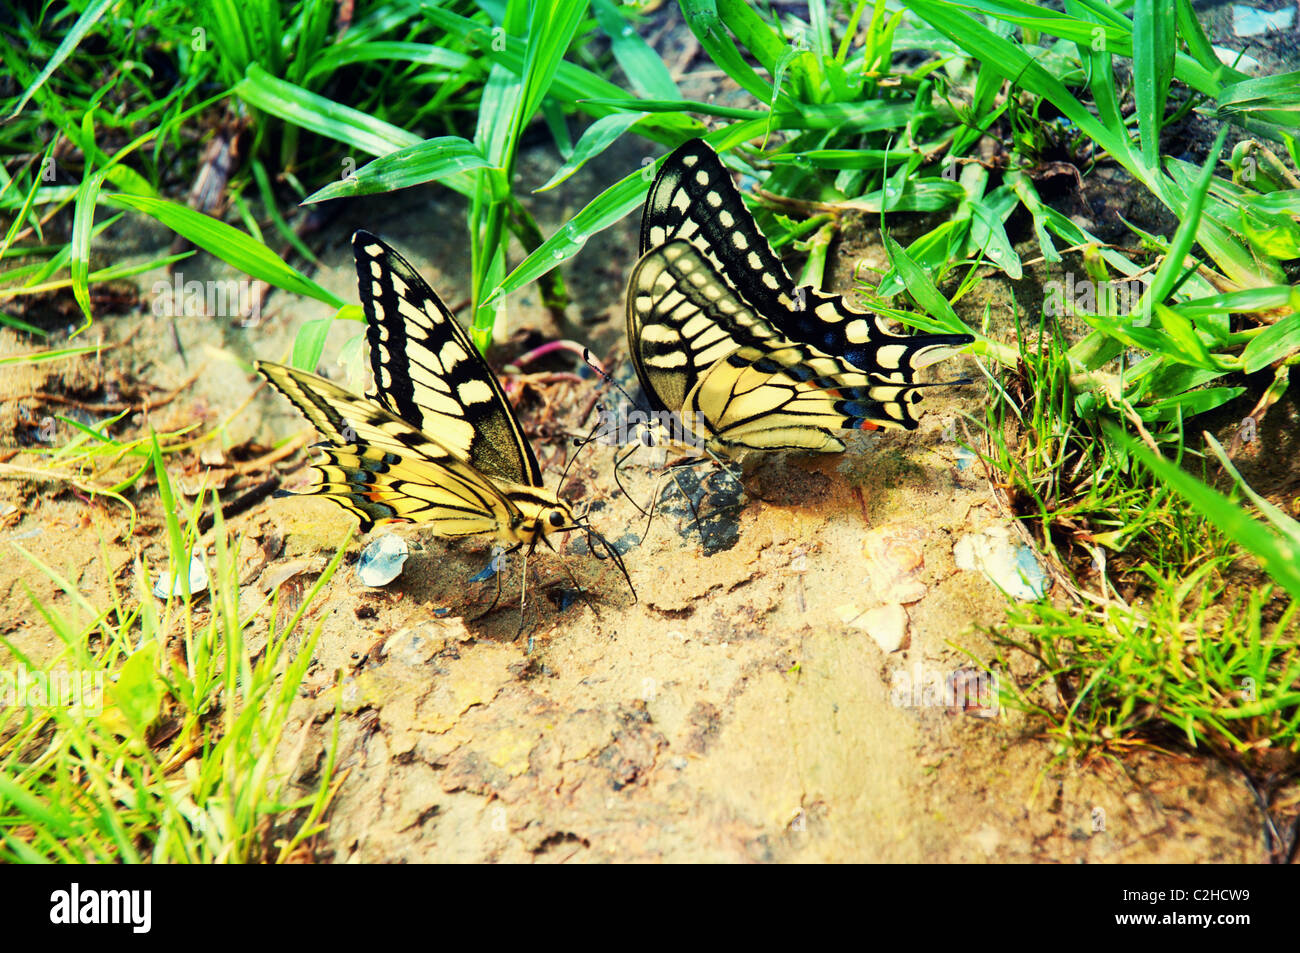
pixel 740 487
pixel 654 503
pixel 618 462
pixel 499 560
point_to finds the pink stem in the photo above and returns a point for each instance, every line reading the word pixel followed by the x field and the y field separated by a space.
pixel 550 347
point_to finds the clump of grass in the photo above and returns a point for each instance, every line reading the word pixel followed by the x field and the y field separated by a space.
pixel 173 748
pixel 1060 471
pixel 1158 640
pixel 1193 663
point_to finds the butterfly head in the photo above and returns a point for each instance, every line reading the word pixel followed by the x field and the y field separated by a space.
pixel 557 519
pixel 544 517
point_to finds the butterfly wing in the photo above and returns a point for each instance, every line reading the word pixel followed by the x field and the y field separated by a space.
pixel 383 469
pixel 428 372
pixel 762 400
pixel 382 487
pixel 693 198
pixel 681 319
pixel 700 351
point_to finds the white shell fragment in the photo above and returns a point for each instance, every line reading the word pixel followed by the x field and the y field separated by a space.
pixel 1240 61
pixel 887 625
pixel 1010 565
pixel 894 557
pixel 196 581
pixel 381 561
pixel 1251 21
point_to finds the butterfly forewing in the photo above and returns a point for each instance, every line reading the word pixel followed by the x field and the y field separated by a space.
pixel 428 372
pixel 345 418
pixel 736 381
pixel 693 198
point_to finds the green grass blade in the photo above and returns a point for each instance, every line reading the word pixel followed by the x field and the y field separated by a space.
pixel 83 220
pixel 1276 342
pixel 611 205
pixel 704 20
pixel 1289 528
pixel 388 51
pixel 1153 69
pixel 272 209
pixel 598 137
pixel 1016 66
pixel 1278 552
pixel 89 17
pixel 645 71
pixel 323 116
pixel 1166 276
pixel 445 159
pixel 942 318
pixel 227 243
pixel 40 357
pixel 551 29
pixel 617 201
pixel 678 106
pixel 309 344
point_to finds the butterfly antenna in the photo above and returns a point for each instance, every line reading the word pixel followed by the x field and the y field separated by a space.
pixel 620 461
pixel 605 376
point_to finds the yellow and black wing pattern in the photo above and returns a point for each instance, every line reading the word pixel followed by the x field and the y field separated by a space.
pixel 379 467
pixel 436 442
pixel 693 198
pixel 428 372
pixel 720 336
pixel 732 379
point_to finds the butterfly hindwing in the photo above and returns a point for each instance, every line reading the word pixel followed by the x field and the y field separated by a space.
pixel 766 400
pixel 380 486
pixel 428 372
